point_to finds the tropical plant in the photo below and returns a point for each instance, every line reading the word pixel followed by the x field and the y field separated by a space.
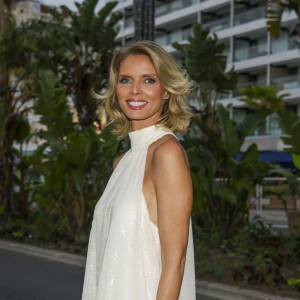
pixel 14 126
pixel 78 47
pixel 275 11
pixel 222 184
pixel 268 98
pixel 73 165
pixel 78 52
pixel 205 62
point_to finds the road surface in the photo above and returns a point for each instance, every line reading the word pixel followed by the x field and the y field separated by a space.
pixel 26 277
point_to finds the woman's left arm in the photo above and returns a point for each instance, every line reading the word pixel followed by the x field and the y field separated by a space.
pixel 173 186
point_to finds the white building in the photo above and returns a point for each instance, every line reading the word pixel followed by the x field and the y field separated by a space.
pixel 256 57
pixel 25 10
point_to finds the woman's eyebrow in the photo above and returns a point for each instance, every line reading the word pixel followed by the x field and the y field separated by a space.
pixel 144 75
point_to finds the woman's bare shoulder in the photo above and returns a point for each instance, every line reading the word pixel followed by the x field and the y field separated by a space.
pixel 169 150
pixel 117 160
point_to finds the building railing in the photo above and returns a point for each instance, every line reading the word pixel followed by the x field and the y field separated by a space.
pixel 284 43
pixel 250 15
pixel 129 22
pixel 178 35
pixel 248 52
pixel 287 82
pixel 218 25
pixel 173 6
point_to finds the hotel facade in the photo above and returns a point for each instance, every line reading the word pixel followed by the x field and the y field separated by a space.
pixel 257 58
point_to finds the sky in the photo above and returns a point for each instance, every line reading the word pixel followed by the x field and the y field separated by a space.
pixel 69 3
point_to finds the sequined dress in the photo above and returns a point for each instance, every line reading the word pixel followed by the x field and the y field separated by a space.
pixel 123 259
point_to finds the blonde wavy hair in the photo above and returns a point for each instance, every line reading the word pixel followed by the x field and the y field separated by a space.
pixel 176 111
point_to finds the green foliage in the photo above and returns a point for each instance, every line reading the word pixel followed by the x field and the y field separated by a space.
pixel 296 159
pixel 263 97
pixel 274 14
pixel 295 283
pixel 43 228
pixel 254 255
pixel 290 124
pixel 266 100
pixel 205 62
pixel 52 106
pixel 14 128
pixel 78 53
pixel 275 11
pixel 2 125
pixel 221 183
pixel 73 165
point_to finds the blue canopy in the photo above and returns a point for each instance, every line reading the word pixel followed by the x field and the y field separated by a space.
pixel 280 157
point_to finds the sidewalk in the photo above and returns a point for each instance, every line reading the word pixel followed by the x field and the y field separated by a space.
pixel 269 214
pixel 204 288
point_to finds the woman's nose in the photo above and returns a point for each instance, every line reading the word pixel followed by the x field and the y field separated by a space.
pixel 135 88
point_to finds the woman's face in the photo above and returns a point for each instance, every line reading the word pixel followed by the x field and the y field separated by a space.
pixel 140 93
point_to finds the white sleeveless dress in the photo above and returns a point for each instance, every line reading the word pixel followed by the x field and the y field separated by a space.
pixel 123 258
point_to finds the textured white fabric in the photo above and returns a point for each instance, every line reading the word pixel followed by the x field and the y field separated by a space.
pixel 123 259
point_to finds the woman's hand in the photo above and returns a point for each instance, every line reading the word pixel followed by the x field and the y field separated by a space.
pixel 173 186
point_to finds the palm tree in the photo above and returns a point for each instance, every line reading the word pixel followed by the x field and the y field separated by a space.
pixel 79 53
pixel 14 126
pixel 275 10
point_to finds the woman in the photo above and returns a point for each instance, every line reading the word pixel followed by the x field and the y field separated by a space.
pixel 141 244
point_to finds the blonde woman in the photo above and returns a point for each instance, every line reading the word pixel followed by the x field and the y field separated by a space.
pixel 141 244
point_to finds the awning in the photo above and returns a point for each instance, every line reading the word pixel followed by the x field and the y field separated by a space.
pixel 279 157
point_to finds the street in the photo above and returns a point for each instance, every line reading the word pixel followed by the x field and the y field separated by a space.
pixel 26 277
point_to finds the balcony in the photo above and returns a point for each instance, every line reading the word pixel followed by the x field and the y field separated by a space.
pixel 167 38
pixel 269 127
pixel 284 43
pixel 250 15
pixel 172 6
pixel 129 22
pixel 287 82
pixel 218 25
pixel 247 49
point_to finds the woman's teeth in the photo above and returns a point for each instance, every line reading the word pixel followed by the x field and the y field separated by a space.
pixel 136 103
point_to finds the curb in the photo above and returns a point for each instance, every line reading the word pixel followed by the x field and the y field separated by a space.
pixel 72 259
pixel 229 292
pixel 203 288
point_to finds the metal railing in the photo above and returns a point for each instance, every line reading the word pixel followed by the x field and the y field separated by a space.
pixel 287 82
pixel 250 15
pixel 218 24
pixel 248 52
pixel 173 6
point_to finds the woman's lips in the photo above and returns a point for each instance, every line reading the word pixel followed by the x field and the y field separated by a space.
pixel 136 104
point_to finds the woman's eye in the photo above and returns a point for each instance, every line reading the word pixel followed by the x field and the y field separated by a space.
pixel 124 80
pixel 150 80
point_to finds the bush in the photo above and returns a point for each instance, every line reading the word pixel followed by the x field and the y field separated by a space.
pixel 253 255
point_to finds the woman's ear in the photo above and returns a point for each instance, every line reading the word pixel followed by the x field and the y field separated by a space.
pixel 167 95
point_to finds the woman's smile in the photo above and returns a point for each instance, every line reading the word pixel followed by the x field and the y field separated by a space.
pixel 136 104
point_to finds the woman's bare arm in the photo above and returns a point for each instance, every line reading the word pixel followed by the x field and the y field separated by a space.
pixel 173 186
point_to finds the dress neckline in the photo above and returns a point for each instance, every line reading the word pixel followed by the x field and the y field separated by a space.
pixel 144 137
